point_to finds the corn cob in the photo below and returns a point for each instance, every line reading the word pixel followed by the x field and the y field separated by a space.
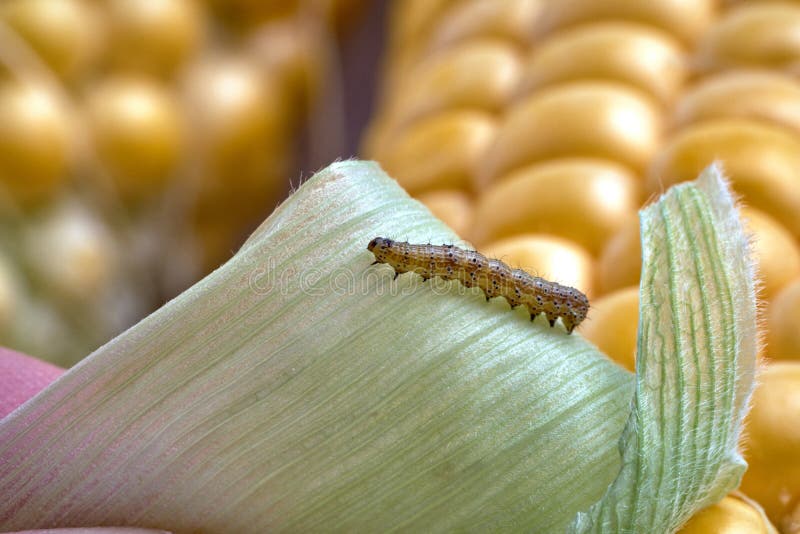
pixel 141 115
pixel 560 120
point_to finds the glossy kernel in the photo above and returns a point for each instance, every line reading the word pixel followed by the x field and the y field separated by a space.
pixel 36 142
pixel 509 20
pixel 612 325
pixel 783 318
pixel 775 251
pixel 582 119
pixel 753 35
pixel 154 36
pixel 65 34
pixel 686 19
pixel 767 96
pixel 441 152
pixel 479 76
pixel 641 56
pixel 772 439
pixel 240 127
pixel 620 262
pixel 451 206
pixel 583 200
pixel 71 253
pixel 137 130
pixel 734 514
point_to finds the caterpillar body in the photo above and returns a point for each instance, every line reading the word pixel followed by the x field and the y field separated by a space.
pixel 494 277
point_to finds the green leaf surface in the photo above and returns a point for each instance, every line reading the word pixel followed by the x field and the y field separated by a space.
pixel 297 388
pixel 695 364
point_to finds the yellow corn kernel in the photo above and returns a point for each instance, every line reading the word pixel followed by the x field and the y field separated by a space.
pixel 511 20
pixel 612 325
pixel 768 96
pixel 154 36
pixel 137 133
pixel 639 55
pixel 584 200
pixel 620 262
pixel 37 147
pixel 478 75
pixel 772 439
pixel 452 206
pixel 783 318
pixel 775 251
pixel 582 119
pixel 753 35
pixel 441 152
pixel 734 514
pixel 239 123
pixel 65 34
pixel 685 19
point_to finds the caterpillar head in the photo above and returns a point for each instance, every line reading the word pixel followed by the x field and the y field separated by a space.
pixel 379 243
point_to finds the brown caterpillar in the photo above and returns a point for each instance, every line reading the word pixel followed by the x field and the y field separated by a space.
pixel 494 277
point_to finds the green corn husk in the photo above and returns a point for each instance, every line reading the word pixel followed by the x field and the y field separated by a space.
pixel 297 388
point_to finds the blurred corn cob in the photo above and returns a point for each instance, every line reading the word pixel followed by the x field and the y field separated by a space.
pixel 537 129
pixel 140 142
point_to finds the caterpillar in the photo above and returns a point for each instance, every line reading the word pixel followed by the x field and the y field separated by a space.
pixel 494 277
